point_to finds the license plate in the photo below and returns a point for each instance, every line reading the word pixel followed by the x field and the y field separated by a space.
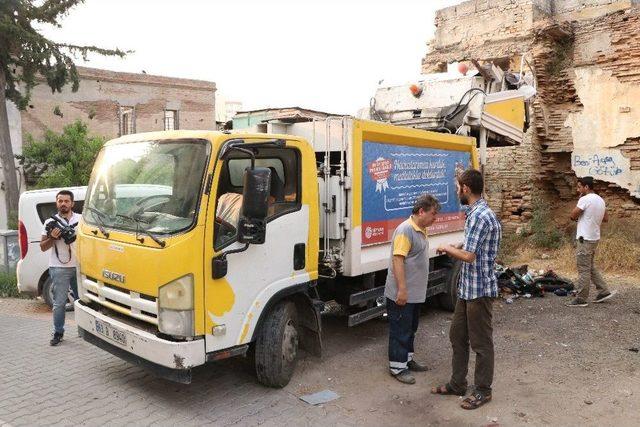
pixel 110 332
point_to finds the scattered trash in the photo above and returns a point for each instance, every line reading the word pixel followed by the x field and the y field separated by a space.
pixel 562 344
pixel 509 300
pixel 527 295
pixel 561 292
pixel 545 256
pixel 634 349
pixel 320 397
pixel 588 402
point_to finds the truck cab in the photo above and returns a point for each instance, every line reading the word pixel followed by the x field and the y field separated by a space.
pixel 148 291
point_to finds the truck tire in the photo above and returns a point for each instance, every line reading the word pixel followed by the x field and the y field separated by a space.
pixel 276 346
pixel 448 299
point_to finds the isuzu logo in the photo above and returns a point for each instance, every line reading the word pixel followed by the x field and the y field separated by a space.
pixel 113 276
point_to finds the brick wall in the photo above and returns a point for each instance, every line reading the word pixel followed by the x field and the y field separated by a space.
pixel 102 92
pixel 558 36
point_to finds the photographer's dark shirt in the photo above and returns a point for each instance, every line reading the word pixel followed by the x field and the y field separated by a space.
pixel 63 258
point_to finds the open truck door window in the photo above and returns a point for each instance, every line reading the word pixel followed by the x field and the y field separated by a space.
pixel 284 195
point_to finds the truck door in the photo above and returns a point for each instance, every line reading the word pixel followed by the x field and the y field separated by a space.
pixel 233 303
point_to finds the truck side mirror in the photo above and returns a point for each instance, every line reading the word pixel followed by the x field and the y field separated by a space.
pixel 219 267
pixel 255 205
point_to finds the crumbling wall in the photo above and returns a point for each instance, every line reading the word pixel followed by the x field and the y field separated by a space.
pixel 479 29
pixel 586 58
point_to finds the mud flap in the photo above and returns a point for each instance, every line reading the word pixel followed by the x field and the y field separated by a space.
pixel 310 323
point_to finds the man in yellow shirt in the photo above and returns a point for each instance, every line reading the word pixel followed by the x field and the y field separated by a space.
pixel 406 286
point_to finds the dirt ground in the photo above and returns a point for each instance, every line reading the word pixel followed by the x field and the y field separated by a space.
pixel 555 365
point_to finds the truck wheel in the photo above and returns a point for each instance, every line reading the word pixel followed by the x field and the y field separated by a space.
pixel 448 299
pixel 276 347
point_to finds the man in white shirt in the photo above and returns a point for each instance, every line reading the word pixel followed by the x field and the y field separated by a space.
pixel 590 212
pixel 62 259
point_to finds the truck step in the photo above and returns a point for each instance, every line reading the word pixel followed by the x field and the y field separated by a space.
pixel 369 294
pixel 368 314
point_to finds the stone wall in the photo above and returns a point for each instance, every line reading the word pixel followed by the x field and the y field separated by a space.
pixel 102 92
pixel 586 57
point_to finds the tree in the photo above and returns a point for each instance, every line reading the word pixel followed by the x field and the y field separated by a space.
pixel 27 57
pixel 68 157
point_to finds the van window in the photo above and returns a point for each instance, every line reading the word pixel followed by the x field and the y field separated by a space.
pixel 45 210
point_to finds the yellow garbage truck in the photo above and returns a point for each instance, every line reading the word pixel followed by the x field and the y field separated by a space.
pixel 228 243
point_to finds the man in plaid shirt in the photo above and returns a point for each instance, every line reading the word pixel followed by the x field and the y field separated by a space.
pixel 477 288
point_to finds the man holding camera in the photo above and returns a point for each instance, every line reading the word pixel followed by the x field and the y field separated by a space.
pixel 59 234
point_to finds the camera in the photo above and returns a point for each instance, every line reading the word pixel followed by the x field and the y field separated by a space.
pixel 67 232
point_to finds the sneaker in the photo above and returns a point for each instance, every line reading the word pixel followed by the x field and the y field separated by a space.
pixel 405 377
pixel 56 339
pixel 416 367
pixel 577 302
pixel 605 296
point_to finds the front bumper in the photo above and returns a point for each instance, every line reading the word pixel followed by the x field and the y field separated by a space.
pixel 169 359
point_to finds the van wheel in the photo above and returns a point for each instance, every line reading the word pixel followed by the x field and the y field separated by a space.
pixel 47 292
pixel 47 295
pixel 448 299
pixel 276 348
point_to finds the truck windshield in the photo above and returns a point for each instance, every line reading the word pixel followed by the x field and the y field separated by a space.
pixel 149 186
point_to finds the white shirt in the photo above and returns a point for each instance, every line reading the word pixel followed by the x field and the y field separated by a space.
pixel 66 256
pixel 593 208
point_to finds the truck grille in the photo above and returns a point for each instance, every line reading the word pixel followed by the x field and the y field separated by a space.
pixel 134 304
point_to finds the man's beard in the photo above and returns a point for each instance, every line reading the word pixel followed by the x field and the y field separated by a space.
pixel 464 199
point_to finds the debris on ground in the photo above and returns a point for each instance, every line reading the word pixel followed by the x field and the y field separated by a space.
pixel 514 281
pixel 320 397
pixel 634 349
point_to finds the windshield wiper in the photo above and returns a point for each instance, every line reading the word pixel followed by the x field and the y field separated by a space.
pixel 99 215
pixel 137 221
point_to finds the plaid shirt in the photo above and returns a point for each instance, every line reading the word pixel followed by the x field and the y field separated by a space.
pixel 482 233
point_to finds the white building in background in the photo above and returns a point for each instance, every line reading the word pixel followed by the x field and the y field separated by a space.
pixel 225 109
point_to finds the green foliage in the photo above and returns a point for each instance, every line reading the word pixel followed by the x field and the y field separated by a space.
pixel 8 284
pixel 25 54
pixel 544 233
pixel 69 156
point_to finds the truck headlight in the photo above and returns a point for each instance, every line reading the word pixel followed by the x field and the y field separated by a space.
pixel 175 307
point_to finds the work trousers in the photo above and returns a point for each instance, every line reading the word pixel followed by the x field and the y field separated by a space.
pixel 403 324
pixel 472 325
pixel 587 271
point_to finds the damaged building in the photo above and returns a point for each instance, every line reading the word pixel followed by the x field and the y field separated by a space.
pixel 585 117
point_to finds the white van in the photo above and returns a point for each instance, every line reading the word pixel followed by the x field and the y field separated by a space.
pixel 34 208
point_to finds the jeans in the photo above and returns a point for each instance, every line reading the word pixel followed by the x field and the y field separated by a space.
pixel 472 325
pixel 62 278
pixel 403 324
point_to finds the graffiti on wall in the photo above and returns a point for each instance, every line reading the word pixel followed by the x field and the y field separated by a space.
pixel 598 165
pixel 607 165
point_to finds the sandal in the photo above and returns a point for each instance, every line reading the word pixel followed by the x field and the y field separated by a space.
pixel 475 401
pixel 446 390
